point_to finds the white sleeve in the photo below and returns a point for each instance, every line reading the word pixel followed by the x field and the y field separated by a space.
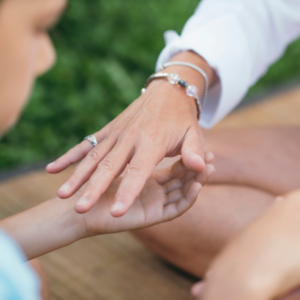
pixel 239 39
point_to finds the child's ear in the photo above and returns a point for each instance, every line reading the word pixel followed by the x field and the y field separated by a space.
pixel 45 55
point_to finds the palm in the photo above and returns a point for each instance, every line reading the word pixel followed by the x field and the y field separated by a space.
pixel 167 194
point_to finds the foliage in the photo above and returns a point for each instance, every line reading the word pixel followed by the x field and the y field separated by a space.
pixel 106 50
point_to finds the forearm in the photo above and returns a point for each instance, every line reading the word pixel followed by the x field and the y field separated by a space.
pixel 46 227
pixel 223 33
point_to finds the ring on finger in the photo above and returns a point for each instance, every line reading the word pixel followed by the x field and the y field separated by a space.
pixel 92 139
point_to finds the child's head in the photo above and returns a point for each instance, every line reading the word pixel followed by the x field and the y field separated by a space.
pixel 25 51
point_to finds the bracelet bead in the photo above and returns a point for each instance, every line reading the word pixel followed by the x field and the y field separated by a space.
pixel 173 78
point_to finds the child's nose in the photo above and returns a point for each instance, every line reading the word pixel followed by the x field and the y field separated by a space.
pixel 45 55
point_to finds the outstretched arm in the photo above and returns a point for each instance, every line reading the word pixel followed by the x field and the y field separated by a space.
pixel 55 224
pixel 161 123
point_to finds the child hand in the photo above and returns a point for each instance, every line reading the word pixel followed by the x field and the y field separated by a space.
pixel 167 194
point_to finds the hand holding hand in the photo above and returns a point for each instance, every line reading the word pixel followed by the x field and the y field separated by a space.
pixel 167 194
pixel 160 123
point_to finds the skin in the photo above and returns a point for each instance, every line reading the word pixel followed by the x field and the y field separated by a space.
pixel 166 195
pixel 273 243
pixel 29 48
pixel 160 123
pixel 247 182
pixel 26 52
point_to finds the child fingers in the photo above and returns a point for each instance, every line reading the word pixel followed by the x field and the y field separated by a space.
pixel 208 157
pixel 175 209
pixel 178 193
pixel 203 177
pixel 176 170
pixel 173 171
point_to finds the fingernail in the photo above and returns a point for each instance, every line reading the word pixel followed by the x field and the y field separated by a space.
pixel 197 289
pixel 65 187
pixel 51 165
pixel 117 206
pixel 82 201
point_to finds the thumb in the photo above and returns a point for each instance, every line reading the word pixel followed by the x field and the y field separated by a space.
pixel 192 150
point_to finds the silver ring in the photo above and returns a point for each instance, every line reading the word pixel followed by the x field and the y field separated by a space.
pixel 92 139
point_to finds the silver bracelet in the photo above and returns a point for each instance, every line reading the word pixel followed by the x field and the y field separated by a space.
pixel 186 64
pixel 174 78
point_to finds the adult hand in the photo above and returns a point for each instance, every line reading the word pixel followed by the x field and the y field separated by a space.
pixel 167 194
pixel 263 263
pixel 160 123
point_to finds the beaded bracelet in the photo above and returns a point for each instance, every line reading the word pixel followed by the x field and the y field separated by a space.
pixel 174 78
pixel 189 65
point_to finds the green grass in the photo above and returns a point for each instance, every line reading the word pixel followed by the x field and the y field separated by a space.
pixel 98 42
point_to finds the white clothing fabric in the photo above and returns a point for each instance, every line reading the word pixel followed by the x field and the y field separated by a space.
pixel 17 280
pixel 240 39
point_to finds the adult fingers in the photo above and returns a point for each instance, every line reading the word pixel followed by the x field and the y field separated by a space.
pixel 71 157
pixel 74 155
pixel 177 169
pixel 192 150
pixel 107 170
pixel 175 209
pixel 138 171
pixel 174 171
pixel 85 169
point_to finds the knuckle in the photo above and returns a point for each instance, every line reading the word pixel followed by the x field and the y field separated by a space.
pixel 89 187
pixel 106 164
pixel 93 155
pixel 153 136
pixel 76 176
pixel 128 135
pixel 135 169
pixel 131 131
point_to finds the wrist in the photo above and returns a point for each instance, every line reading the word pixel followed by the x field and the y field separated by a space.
pixel 161 88
pixel 171 99
pixel 197 60
pixel 77 225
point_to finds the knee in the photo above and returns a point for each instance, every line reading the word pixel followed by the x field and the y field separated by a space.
pixel 193 240
pixel 178 243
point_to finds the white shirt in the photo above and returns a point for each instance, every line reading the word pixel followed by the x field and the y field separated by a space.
pixel 240 39
pixel 18 281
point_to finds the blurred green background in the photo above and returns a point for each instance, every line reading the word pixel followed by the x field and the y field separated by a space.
pixel 106 50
